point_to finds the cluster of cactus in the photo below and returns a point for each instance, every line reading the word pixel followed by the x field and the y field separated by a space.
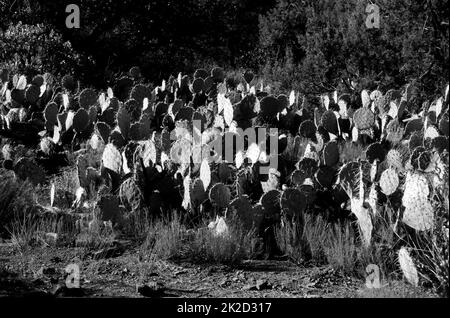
pixel 139 148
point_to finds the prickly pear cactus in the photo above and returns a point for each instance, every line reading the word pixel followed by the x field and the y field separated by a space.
pixel 271 203
pixel 47 146
pixel 389 181
pixel 139 92
pixel 219 195
pixel 205 173
pixel 80 120
pixel 413 125
pixel 330 122
pixel 331 154
pixel 364 118
pixel 242 208
pixel 69 83
pixel 308 129
pixel 375 152
pixel 104 130
pixel 88 97
pixel 394 159
pixel 112 159
pixel 123 121
pixel 32 94
pixel 419 212
pixel 26 168
pixel 293 204
pixel 50 115
pixel 130 195
pixel 197 195
pixel 109 208
pixel 407 266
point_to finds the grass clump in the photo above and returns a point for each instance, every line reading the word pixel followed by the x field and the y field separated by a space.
pixel 170 239
pixel 16 201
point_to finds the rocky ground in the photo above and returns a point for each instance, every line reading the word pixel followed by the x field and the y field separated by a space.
pixel 124 272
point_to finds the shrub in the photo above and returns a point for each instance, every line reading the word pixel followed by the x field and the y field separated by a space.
pixel 170 239
pixel 316 46
pixel 28 49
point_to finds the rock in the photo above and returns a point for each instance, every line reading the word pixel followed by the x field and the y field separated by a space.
pixel 249 287
pixel 152 289
pixel 262 284
pixel 224 283
pixel 108 252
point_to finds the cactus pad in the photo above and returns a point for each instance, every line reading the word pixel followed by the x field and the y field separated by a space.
pixel 112 158
pixel 47 146
pixel 32 94
pixel 80 120
pixel 139 92
pixel 69 83
pixel 308 129
pixel 394 159
pixel 26 168
pixel 413 126
pixel 325 176
pixel 271 203
pixel 51 113
pixel 416 190
pixel 130 195
pixel 293 203
pixel 364 118
pixel 407 266
pixel 88 98
pixel 329 122
pixel 416 140
pixel 197 195
pixel 219 195
pixel 331 154
pixel 389 181
pixel 375 151
pixel 109 208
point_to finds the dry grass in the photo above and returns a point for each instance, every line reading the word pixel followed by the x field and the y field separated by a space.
pixel 166 238
pixel 322 242
pixel 397 289
pixel 230 249
pixel 16 200
pixel 170 239
pixel 341 249
pixel 290 240
pixel 23 232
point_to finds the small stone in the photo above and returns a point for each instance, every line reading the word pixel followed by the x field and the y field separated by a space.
pixel 224 282
pixel 262 284
pixel 249 287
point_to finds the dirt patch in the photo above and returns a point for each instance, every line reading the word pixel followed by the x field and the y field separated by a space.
pixel 41 272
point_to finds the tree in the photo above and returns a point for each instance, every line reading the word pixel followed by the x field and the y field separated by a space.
pixel 327 43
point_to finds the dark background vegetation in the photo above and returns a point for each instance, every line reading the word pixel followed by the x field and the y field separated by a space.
pixel 311 45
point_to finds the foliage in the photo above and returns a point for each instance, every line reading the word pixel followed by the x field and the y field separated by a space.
pixel 321 43
pixel 26 49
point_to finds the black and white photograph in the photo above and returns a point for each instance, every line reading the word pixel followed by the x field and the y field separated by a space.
pixel 249 152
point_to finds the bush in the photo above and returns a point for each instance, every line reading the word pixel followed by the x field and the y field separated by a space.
pixel 316 46
pixel 171 239
pixel 16 200
pixel 29 49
